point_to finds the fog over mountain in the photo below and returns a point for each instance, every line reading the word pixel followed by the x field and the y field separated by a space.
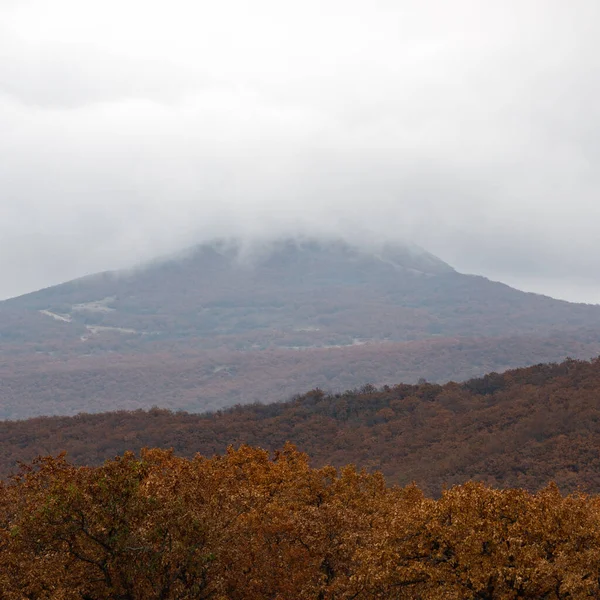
pixel 228 322
pixel 132 129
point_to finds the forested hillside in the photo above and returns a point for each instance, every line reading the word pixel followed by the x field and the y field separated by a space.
pixel 226 324
pixel 521 428
pixel 197 381
pixel 281 294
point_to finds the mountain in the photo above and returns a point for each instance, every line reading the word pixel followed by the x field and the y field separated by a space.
pixel 228 323
pixel 286 294
pixel 521 428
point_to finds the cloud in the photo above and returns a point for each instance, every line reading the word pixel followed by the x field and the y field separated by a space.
pixel 130 129
pixel 58 75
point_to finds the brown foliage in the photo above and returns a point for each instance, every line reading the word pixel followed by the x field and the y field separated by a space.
pixel 247 526
pixel 521 428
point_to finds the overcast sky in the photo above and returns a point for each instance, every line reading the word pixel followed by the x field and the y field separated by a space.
pixel 129 129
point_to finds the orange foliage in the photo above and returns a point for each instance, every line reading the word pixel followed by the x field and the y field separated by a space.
pixel 245 526
pixel 521 428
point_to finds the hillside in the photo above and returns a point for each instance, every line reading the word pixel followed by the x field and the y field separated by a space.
pixel 521 428
pixel 226 323
pixel 286 294
pixel 201 380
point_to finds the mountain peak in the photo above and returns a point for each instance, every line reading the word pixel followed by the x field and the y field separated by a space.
pixel 319 252
pixel 335 301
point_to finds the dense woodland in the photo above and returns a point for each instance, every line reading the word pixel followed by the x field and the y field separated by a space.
pixel 247 527
pixel 522 428
pixel 200 380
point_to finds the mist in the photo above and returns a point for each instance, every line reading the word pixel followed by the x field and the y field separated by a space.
pixel 132 130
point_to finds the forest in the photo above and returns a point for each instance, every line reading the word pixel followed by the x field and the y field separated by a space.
pixel 196 380
pixel 521 428
pixel 249 525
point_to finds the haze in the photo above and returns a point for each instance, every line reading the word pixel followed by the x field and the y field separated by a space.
pixel 131 129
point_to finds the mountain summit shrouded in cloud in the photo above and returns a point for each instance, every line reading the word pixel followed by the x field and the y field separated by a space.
pixel 227 323
pixel 133 129
pixel 294 292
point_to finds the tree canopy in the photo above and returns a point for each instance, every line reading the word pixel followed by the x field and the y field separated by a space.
pixel 250 525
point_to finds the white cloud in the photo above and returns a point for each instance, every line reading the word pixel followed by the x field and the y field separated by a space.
pixel 131 129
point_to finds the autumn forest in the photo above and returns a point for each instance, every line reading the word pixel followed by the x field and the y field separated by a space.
pixel 299 300
pixel 481 490
pixel 521 428
pixel 245 526
pixel 155 446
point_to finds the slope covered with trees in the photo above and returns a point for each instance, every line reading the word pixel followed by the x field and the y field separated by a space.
pixel 227 324
pixel 521 428
pixel 197 381
pixel 308 293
